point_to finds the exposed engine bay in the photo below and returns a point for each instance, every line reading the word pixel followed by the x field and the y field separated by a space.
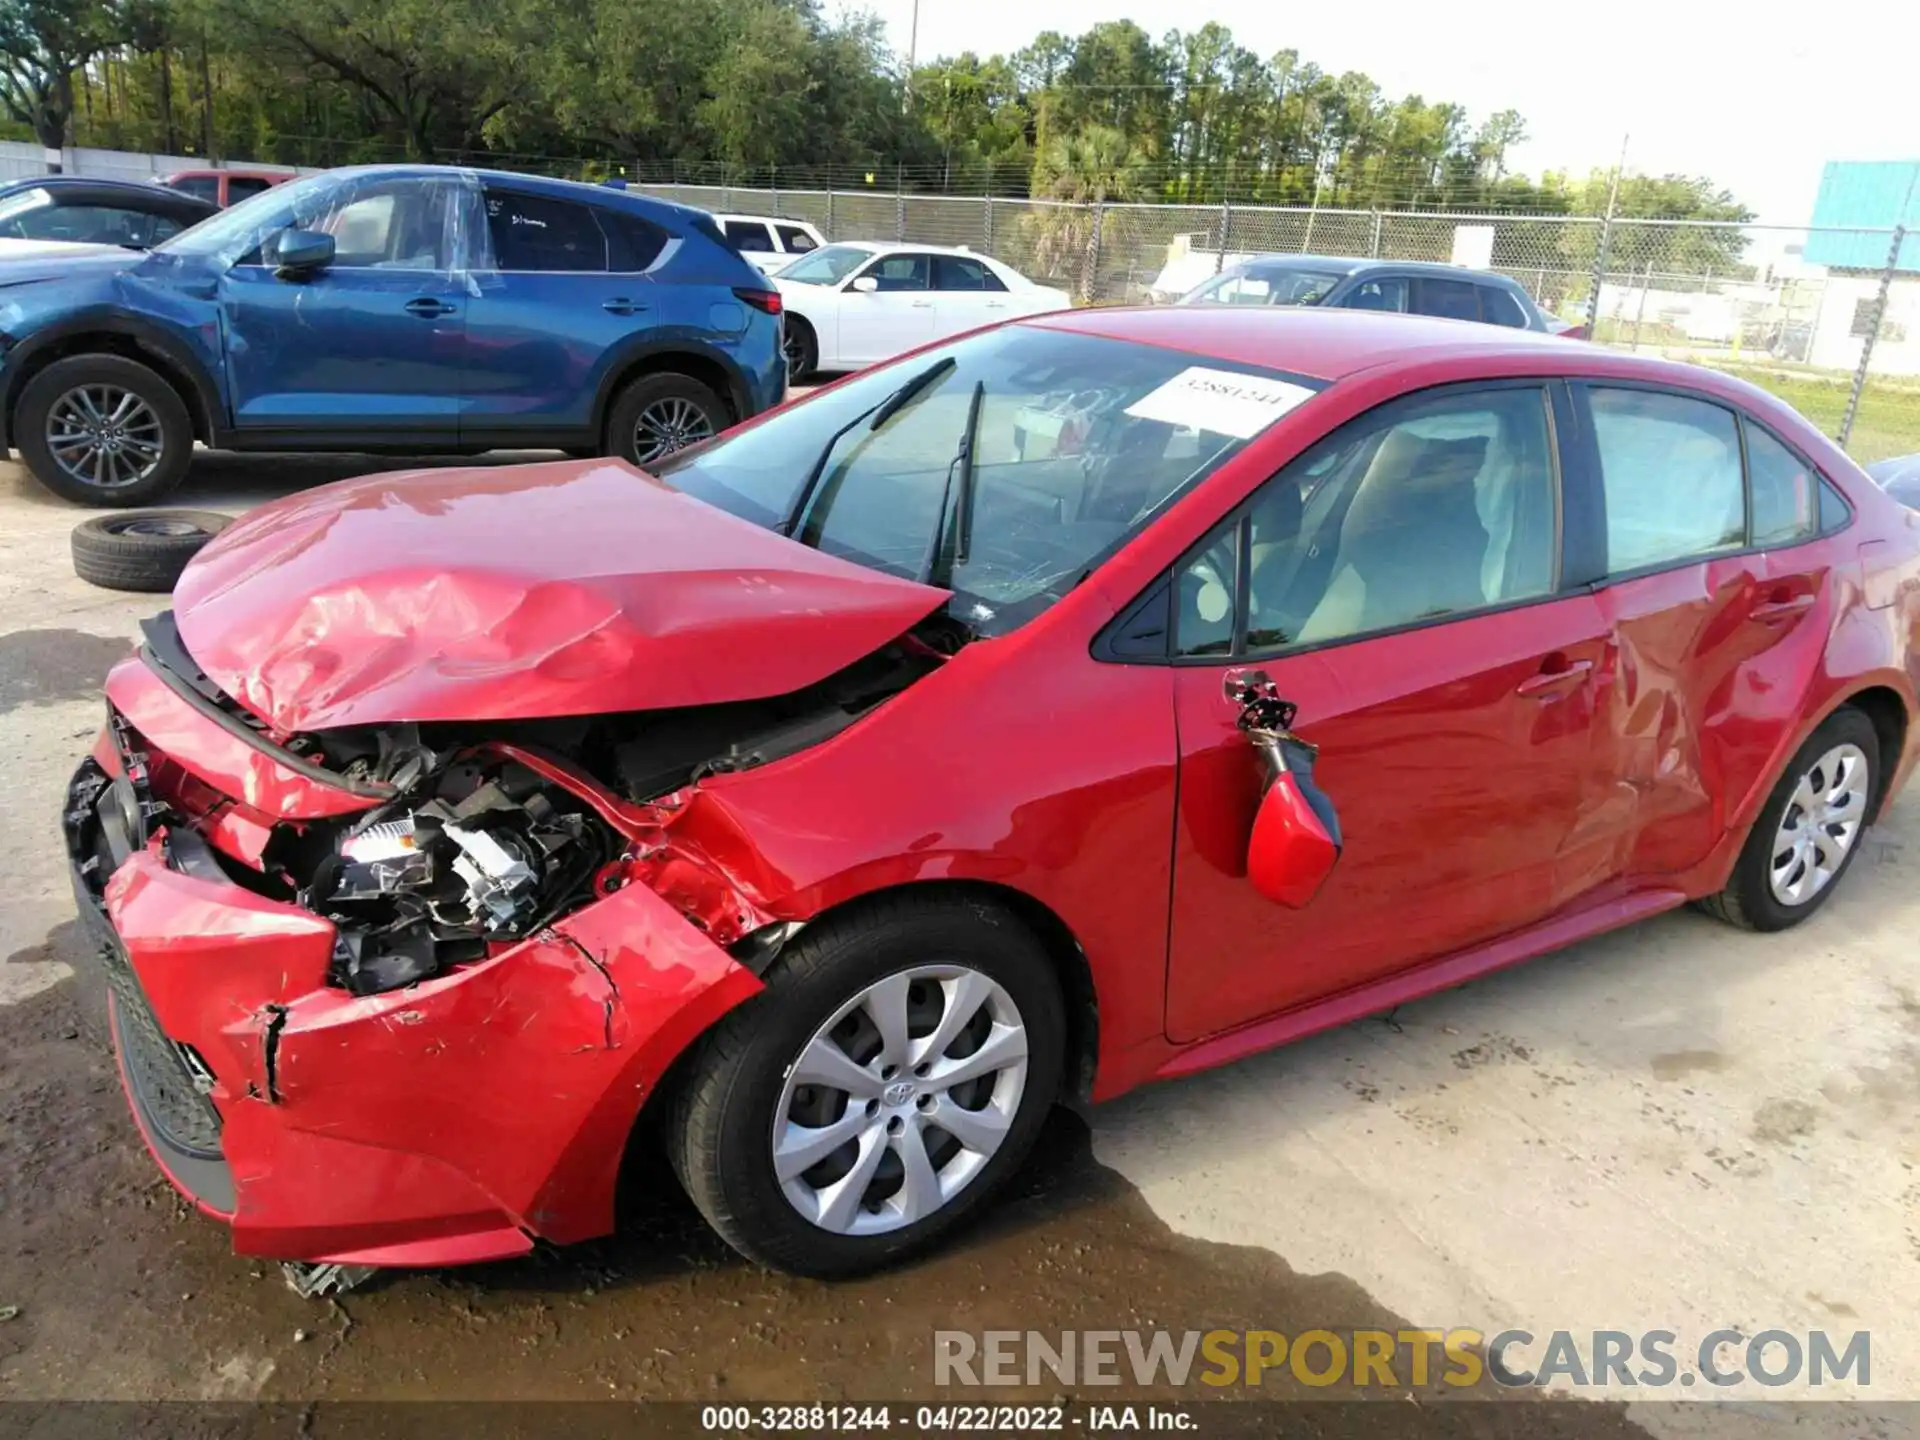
pixel 489 831
pixel 483 851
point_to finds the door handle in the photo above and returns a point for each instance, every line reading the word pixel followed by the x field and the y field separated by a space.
pixel 428 308
pixel 1781 606
pixel 923 305
pixel 621 305
pixel 1553 676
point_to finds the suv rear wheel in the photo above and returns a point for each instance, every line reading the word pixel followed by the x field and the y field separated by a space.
pixel 103 430
pixel 659 414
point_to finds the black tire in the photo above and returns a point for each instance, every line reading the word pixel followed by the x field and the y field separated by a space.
pixel 142 550
pixel 801 347
pixel 720 1124
pixel 1748 900
pixel 666 394
pixel 172 429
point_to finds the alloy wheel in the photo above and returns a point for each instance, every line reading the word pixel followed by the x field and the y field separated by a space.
pixel 669 424
pixel 900 1100
pixel 795 349
pixel 104 436
pixel 1820 825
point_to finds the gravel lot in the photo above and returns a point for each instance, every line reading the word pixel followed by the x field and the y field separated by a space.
pixel 1676 1127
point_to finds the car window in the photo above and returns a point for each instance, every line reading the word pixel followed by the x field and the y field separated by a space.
pixel 794 240
pixel 1834 511
pixel 201 187
pixel 387 224
pixel 1080 442
pixel 1785 503
pixel 1439 507
pixel 240 187
pixel 1449 299
pixel 962 272
pixel 1500 307
pixel 1268 285
pixel 900 272
pixel 1388 292
pixel 1670 466
pixel 828 265
pixel 633 243
pixel 82 224
pixel 747 235
pixel 533 232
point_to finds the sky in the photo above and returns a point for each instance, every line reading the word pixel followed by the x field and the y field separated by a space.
pixel 1757 99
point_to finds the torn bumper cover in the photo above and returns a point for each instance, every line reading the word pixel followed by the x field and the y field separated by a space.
pixel 446 1122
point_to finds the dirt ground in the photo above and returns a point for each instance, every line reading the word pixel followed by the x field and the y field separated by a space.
pixel 1673 1127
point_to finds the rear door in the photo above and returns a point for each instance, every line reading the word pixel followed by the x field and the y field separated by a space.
pixel 1718 597
pixel 565 289
pixel 1446 297
pixel 1402 583
pixel 894 316
pixel 966 293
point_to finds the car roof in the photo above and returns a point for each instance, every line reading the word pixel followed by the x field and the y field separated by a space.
pixel 582 191
pixel 1354 264
pixel 86 187
pixel 1331 344
pixel 889 247
pixel 762 219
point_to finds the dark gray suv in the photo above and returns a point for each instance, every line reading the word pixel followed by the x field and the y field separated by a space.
pixel 1412 287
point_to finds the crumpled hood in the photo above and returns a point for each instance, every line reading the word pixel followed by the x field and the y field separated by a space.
pixel 571 588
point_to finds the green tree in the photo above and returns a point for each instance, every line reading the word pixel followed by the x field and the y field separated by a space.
pixel 1085 170
pixel 42 44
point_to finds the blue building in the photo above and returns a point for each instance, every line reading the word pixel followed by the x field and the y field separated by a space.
pixel 1873 197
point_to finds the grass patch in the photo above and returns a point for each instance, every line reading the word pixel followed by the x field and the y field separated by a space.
pixel 1888 422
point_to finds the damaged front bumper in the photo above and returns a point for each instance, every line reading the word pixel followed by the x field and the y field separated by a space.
pixel 450 1121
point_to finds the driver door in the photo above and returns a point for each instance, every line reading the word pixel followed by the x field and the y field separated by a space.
pixel 1400 583
pixel 375 344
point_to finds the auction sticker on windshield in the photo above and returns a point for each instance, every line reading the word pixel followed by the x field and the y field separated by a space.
pixel 1222 401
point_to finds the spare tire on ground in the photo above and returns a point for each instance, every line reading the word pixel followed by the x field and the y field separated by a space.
pixel 142 549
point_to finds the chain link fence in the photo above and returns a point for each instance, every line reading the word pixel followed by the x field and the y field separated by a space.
pixel 1840 342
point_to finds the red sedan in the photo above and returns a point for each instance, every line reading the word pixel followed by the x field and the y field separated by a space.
pixel 943 746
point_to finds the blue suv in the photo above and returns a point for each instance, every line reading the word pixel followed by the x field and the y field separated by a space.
pixel 395 309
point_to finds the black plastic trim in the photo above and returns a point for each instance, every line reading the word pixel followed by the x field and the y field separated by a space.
pixel 365 789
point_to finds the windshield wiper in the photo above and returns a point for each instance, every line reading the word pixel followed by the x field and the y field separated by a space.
pixel 941 558
pixel 881 413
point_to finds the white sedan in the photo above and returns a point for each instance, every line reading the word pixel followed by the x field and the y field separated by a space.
pixel 853 305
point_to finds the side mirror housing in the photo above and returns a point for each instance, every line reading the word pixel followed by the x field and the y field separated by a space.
pixel 1292 849
pixel 298 254
pixel 866 284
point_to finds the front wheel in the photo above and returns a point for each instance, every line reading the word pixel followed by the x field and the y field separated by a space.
pixel 894 1073
pixel 1808 831
pixel 103 430
pixel 659 414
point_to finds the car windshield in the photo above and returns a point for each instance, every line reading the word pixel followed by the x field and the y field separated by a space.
pixel 23 202
pixel 1078 442
pixel 828 265
pixel 239 230
pixel 1265 285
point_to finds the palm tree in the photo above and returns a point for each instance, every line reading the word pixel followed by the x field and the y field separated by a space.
pixel 1081 173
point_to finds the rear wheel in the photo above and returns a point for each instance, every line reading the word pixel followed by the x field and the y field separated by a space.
pixel 1808 831
pixel 659 414
pixel 895 1072
pixel 801 347
pixel 103 430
